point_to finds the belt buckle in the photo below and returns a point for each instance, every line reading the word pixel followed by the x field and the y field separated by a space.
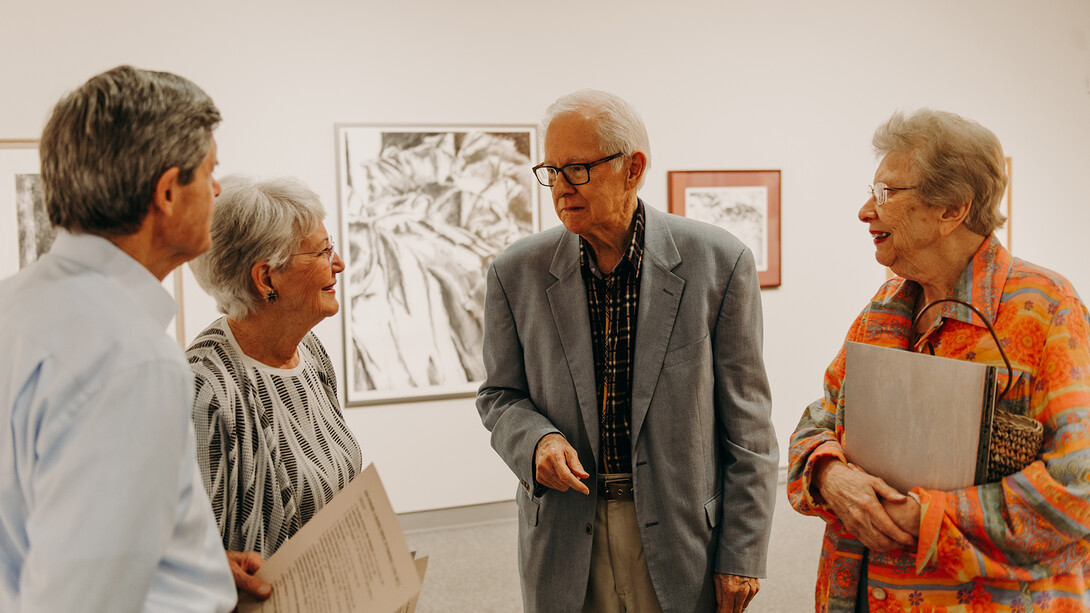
pixel 618 490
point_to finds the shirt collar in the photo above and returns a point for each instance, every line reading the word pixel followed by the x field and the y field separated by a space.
pixel 98 254
pixel 980 284
pixel 634 253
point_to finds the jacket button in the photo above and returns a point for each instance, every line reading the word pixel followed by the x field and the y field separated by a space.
pixel 589 528
pixel 878 593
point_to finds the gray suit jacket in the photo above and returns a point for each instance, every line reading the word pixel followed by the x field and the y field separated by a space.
pixel 704 453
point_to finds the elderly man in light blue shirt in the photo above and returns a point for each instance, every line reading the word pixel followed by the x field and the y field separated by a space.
pixel 101 505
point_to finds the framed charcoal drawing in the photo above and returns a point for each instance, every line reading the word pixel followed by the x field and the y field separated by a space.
pixel 424 210
pixel 25 230
pixel 746 203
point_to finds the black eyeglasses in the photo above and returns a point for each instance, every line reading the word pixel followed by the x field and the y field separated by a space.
pixel 880 191
pixel 326 253
pixel 574 174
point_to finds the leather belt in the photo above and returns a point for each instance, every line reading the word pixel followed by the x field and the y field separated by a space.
pixel 616 487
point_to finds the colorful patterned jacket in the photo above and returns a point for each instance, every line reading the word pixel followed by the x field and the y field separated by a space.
pixel 1017 545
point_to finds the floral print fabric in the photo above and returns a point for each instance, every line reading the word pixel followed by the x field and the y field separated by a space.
pixel 1017 545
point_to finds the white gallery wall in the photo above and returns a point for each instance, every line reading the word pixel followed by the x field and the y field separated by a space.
pixel 797 86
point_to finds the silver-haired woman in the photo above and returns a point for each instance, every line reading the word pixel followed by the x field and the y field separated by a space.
pixel 1016 544
pixel 272 443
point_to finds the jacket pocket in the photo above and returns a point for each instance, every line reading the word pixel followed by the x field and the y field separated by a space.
pixel 686 353
pixel 528 507
pixel 713 510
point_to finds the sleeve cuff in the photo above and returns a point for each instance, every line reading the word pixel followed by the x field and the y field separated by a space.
pixel 932 508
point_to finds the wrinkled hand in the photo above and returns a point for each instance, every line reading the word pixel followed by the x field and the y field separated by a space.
pixel 905 514
pixel 556 465
pixel 243 566
pixel 734 593
pixel 857 498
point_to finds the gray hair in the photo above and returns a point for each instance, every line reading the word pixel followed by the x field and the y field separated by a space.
pixel 108 142
pixel 253 221
pixel 959 160
pixel 620 127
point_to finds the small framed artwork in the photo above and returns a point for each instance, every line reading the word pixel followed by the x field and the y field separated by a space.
pixel 25 230
pixel 746 203
pixel 424 210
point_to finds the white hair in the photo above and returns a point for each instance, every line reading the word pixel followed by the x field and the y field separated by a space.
pixel 253 221
pixel 620 127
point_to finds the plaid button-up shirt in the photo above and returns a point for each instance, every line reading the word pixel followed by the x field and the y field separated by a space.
pixel 612 301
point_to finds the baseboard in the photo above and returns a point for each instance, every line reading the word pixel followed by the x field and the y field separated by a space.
pixel 456 517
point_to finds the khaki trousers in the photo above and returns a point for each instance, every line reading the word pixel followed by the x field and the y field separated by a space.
pixel 619 581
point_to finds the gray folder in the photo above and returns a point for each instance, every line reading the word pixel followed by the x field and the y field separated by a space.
pixel 917 420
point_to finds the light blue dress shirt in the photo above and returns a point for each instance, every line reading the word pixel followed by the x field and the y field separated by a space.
pixel 101 504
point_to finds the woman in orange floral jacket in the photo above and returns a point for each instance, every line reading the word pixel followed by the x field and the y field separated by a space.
pixel 1015 545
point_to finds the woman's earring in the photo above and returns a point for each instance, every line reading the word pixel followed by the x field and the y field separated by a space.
pixel 271 296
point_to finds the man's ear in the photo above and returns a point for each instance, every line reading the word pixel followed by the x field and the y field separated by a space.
pixel 166 191
pixel 637 165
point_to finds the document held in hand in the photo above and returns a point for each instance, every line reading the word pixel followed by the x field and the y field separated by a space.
pixel 349 557
pixel 917 420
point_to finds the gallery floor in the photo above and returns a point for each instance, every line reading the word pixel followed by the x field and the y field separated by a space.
pixel 472 561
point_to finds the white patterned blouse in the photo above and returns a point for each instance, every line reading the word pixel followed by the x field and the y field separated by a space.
pixel 272 444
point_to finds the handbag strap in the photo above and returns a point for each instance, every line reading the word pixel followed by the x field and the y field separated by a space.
pixel 1010 370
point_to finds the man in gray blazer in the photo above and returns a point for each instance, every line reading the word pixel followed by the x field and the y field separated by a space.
pixel 626 387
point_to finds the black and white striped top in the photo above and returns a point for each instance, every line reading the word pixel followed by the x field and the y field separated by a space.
pixel 272 444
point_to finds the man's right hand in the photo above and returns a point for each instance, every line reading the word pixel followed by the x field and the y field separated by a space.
pixel 557 466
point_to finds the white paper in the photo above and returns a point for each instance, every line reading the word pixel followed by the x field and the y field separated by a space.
pixel 350 557
pixel 421 565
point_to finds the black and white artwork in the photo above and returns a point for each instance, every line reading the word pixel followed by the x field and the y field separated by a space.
pixel 424 210
pixel 21 207
pixel 742 211
pixel 36 234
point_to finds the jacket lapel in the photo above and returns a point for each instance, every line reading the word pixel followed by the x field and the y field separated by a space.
pixel 660 296
pixel 568 302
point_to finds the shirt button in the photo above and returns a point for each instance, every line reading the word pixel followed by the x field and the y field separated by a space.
pixel 588 528
pixel 878 593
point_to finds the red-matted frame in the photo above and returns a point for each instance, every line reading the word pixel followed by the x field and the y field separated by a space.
pixel 681 180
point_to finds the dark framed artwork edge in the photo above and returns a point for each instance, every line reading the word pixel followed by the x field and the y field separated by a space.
pixel 679 180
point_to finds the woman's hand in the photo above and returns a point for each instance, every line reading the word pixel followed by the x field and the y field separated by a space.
pixel 906 514
pixel 243 566
pixel 858 499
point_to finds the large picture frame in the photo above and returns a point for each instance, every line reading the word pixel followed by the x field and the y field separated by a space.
pixel 746 203
pixel 424 210
pixel 25 230
pixel 24 226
